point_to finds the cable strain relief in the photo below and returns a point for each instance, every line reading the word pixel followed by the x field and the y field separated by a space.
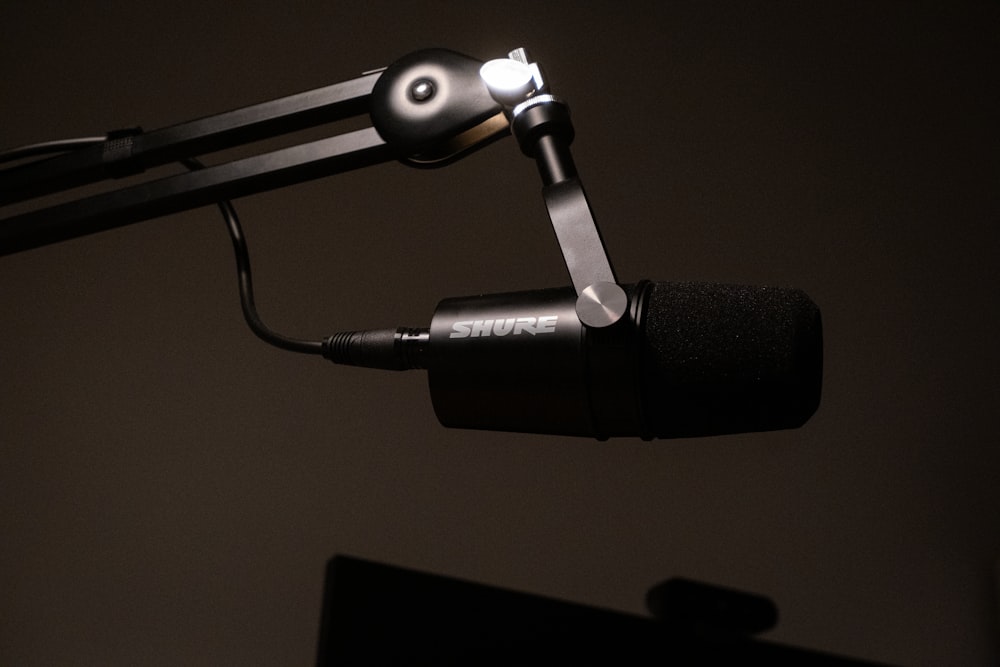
pixel 389 349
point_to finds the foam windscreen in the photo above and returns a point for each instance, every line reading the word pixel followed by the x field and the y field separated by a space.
pixel 719 359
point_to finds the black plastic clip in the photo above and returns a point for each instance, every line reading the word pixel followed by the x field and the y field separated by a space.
pixel 118 150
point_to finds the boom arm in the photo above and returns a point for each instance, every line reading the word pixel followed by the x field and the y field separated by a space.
pixel 429 108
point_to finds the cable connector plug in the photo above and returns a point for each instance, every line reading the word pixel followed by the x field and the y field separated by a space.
pixel 396 349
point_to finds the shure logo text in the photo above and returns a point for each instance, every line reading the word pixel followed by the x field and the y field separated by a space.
pixel 514 326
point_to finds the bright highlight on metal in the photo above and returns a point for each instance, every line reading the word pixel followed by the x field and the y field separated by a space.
pixel 509 81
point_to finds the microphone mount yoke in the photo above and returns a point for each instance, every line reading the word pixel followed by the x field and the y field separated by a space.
pixel 428 109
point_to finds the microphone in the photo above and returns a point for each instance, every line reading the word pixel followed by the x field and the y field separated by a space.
pixel 686 360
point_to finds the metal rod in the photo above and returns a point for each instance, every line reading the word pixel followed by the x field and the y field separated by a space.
pixel 133 154
pixel 189 190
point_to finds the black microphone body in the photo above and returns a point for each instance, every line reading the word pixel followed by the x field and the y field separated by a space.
pixel 687 359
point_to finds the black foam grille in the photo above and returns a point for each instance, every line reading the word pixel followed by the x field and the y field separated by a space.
pixel 729 359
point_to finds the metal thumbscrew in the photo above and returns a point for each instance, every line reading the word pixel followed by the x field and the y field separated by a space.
pixel 422 90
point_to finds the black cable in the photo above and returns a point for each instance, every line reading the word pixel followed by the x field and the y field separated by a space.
pixel 246 282
pixel 47 147
pixel 240 249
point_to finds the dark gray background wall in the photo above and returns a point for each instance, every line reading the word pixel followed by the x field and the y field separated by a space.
pixel 170 487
